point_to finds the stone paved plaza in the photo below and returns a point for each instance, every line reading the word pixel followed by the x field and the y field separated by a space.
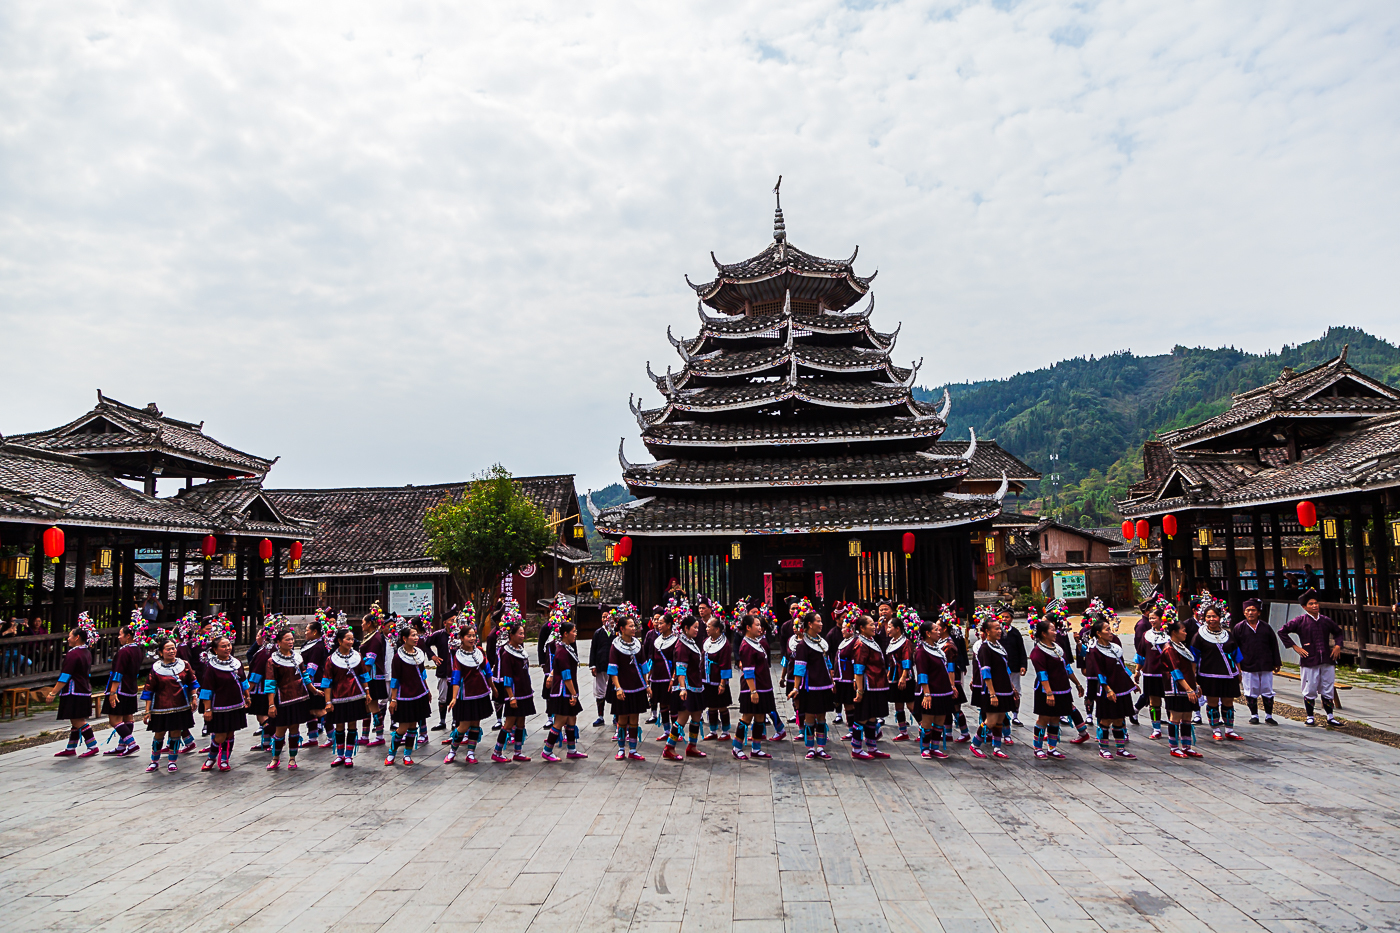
pixel 1294 830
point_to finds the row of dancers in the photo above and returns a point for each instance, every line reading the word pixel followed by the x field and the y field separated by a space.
pixel 343 684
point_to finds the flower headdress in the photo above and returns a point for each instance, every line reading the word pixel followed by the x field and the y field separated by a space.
pixel 150 640
pixel 139 626
pixel 1218 605
pixel 1099 610
pixel 1167 608
pixel 984 614
pixel 375 614
pixel 679 607
pixel 510 612
pixel 423 608
pixel 1056 611
pixel 948 615
pixel 86 626
pixel 220 627
pixel 273 624
pixel 765 612
pixel 909 621
pixel 803 606
pixel 187 629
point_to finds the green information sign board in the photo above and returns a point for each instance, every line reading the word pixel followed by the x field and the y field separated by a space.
pixel 406 598
pixel 1071 584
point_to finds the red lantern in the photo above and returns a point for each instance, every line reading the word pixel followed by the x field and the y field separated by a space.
pixel 295 550
pixel 265 550
pixel 908 543
pixel 624 547
pixel 1143 530
pixel 209 546
pixel 1307 514
pixel 53 543
pixel 1128 529
pixel 1169 526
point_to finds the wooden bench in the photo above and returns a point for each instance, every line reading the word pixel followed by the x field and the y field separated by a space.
pixel 14 698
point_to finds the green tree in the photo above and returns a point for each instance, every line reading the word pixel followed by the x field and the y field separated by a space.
pixel 491 531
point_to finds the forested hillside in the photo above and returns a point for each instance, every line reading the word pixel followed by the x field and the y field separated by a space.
pixel 1095 413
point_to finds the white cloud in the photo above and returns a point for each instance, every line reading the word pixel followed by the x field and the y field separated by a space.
pixel 396 246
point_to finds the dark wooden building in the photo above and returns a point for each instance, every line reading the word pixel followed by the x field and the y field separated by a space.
pixel 791 456
pixel 1330 436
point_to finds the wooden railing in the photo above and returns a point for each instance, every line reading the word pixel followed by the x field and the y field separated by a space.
pixel 1367 630
pixel 34 660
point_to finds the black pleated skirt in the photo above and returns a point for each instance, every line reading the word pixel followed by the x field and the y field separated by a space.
pixel 228 721
pixel 694 702
pixel 628 704
pixel 938 706
pixel 905 694
pixel 524 706
pixel 562 706
pixel 293 713
pixel 1154 685
pixel 411 712
pixel 766 704
pixel 473 710
pixel 1224 688
pixel 1063 703
pixel 845 693
pixel 1006 703
pixel 74 707
pixel 126 705
pixel 347 711
pixel 378 689
pixel 816 702
pixel 873 705
pixel 1121 708
pixel 177 721
pixel 717 696
pixel 1177 703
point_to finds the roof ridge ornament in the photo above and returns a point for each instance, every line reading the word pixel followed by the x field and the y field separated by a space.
pixel 592 509
pixel 670 384
pixel 858 315
pixel 779 227
pixel 679 345
pixel 637 412
pixel 974 496
pixel 656 380
pixel 947 404
pixel 705 319
pixel 966 456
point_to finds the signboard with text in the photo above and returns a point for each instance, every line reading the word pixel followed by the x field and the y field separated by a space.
pixel 1071 584
pixel 407 598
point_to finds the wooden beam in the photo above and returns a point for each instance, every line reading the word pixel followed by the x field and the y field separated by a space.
pixel 80 576
pixel 1261 580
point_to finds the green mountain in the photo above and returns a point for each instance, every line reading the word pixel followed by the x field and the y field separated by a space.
pixel 1095 413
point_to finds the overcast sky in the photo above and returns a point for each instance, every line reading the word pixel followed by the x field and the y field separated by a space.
pixel 397 243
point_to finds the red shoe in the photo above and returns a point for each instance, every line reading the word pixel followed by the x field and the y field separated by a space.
pixel 520 757
pixel 67 753
pixel 500 759
pixel 978 753
pixel 349 762
pixel 739 755
pixel 1218 736
pixel 1056 754
pixel 938 753
pixel 548 756
pixel 1192 753
pixel 374 741
pixel 277 763
pixel 575 756
pixel 1124 753
pixel 902 737
pixel 963 740
pixel 712 737
pixel 634 756
pixel 926 754
pixel 389 761
pixel 207 766
pixel 1234 737
pixel 292 765
pixel 692 752
pixel 407 760
pixel 661 737
pixel 670 755
pixel 1178 753
pixel 89 753
pixel 876 753
pixel 620 756
pixel 1079 739
pixel 224 765
pixel 337 761
pixel 760 754
pixel 1156 734
pixel 1042 754
pixel 1008 741
pixel 446 741
pixel 862 756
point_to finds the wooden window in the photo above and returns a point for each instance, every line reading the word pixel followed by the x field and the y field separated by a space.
pixel 1074 557
pixel 704 573
pixel 803 307
pixel 875 575
pixel 760 308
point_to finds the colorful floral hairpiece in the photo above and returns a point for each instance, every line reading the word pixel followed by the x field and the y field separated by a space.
pixel 948 615
pixel 1057 611
pixel 375 614
pixel 510 612
pixel 187 628
pixel 86 626
pixel 679 607
pixel 984 614
pixel 909 621
pixel 151 640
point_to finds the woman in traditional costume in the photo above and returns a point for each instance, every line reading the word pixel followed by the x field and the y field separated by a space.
pixel 169 688
pixel 223 698
pixel 629 694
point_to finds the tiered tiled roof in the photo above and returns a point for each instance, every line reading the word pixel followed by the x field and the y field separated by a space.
pixel 764 397
pixel 1356 453
pixel 42 487
pixel 379 530
pixel 1313 403
pixel 130 440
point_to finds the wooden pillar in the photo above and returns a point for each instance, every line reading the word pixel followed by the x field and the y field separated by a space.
pixel 116 570
pixel 1232 573
pixel 1329 565
pixel 237 614
pixel 165 578
pixel 1167 547
pixel 80 577
pixel 1341 545
pixel 1276 541
pixel 58 619
pixel 36 579
pixel 1358 557
pixel 180 579
pixel 1380 547
pixel 128 603
pixel 204 585
pixel 277 578
pixel 1260 577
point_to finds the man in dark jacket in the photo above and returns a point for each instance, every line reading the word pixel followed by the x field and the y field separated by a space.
pixel 1317 654
pixel 1259 660
pixel 598 665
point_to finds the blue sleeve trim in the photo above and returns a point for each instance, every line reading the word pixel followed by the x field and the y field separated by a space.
pixel 206 694
pixel 749 673
pixel 326 682
pixel 1103 679
pixel 1044 676
pixel 646 668
pixel 255 679
pixel 800 669
pixel 726 673
pixel 923 679
pixel 457 678
pixel 269 687
pixel 115 677
pixel 986 673
pixel 612 670
pixel 566 674
pixel 1177 675
pixel 905 664
pixel 393 682
pixel 64 678
pixel 681 671
pixel 365 678
pixel 509 681
pixel 860 669
pixel 145 694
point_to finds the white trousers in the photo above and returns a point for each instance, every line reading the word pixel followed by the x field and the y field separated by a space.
pixel 1257 685
pixel 600 686
pixel 1319 681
